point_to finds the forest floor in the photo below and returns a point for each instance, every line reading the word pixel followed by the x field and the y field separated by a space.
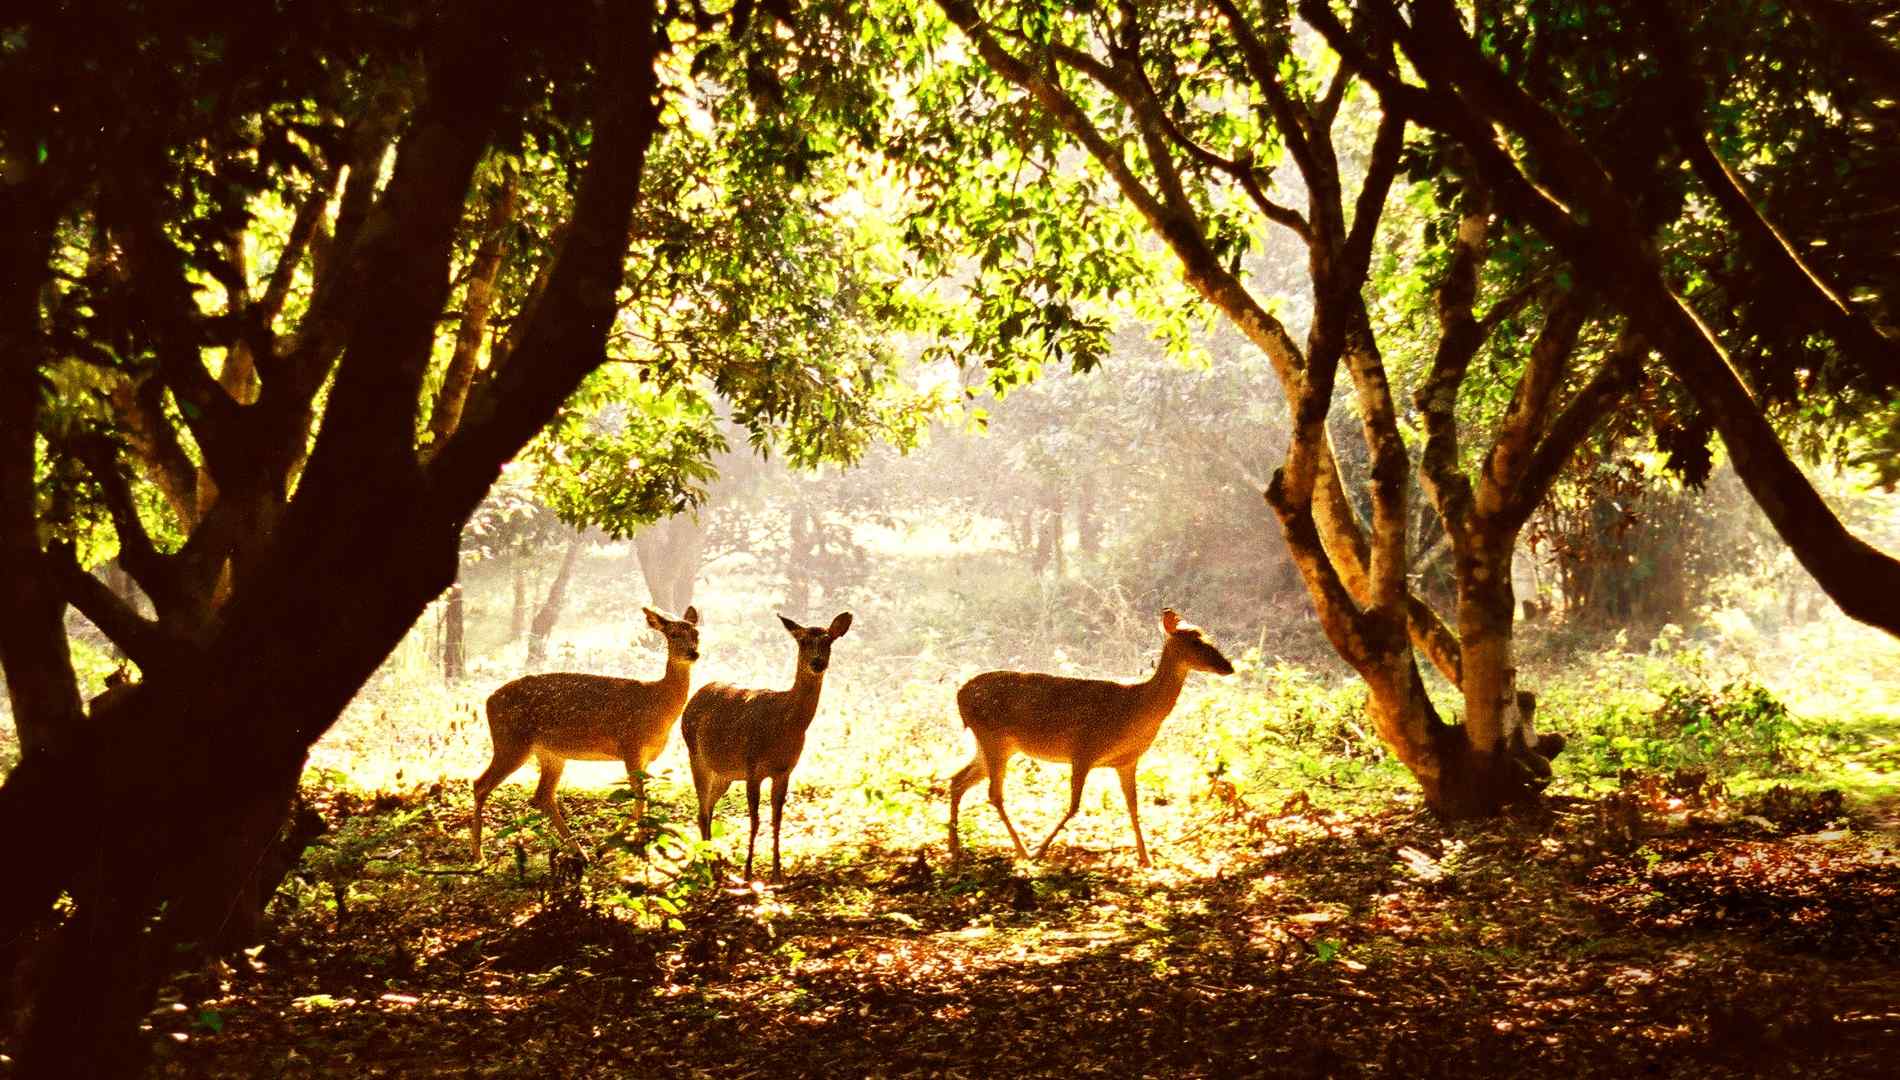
pixel 1661 928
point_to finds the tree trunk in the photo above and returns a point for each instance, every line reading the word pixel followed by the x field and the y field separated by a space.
pixel 550 610
pixel 454 627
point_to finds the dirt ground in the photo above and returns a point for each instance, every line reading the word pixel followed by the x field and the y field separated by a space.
pixel 1656 931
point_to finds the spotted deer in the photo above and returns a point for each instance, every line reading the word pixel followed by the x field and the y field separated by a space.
pixel 1088 723
pixel 567 716
pixel 736 734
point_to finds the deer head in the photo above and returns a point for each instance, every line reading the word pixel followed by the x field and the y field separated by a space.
pixel 814 643
pixel 1191 644
pixel 682 635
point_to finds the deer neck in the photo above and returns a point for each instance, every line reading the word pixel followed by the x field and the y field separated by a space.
pixel 1163 688
pixel 804 698
pixel 677 676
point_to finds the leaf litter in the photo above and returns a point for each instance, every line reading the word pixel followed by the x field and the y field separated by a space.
pixel 1659 929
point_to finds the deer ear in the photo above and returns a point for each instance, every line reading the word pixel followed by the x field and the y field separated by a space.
pixel 790 626
pixel 1170 619
pixel 840 624
pixel 655 619
pixel 692 615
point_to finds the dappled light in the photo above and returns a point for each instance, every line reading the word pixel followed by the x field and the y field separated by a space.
pixel 976 538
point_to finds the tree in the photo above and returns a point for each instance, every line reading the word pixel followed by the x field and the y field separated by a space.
pixel 1183 122
pixel 1600 197
pixel 298 427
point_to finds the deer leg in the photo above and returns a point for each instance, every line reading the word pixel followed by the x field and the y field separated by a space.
pixel 998 765
pixel 637 779
pixel 1127 773
pixel 710 788
pixel 1078 776
pixel 963 781
pixel 508 758
pixel 779 784
pixel 544 798
pixel 752 810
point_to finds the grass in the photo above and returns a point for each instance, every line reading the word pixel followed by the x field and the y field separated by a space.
pixel 1684 905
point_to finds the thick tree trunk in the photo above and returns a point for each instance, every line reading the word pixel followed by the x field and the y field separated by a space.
pixel 549 613
pixel 1486 610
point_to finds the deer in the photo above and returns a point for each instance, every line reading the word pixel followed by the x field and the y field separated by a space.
pixel 570 716
pixel 1087 723
pixel 737 734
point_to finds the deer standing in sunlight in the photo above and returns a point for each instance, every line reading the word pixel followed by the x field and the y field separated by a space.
pixel 1089 723
pixel 566 716
pixel 734 734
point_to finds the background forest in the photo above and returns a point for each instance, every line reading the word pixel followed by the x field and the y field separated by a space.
pixel 1509 392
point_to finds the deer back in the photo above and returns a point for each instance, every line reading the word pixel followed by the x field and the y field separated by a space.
pixel 1058 718
pixel 577 715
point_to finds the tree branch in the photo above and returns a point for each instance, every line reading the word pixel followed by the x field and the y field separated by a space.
pixel 1525 418
pixel 150 568
pixel 402 262
pixel 1264 65
pixel 338 278
pixel 1852 333
pixel 564 337
pixel 165 302
pixel 1382 167
pixel 137 405
pixel 480 300
pixel 1459 338
pixel 1614 377
pixel 1242 173
pixel 257 317
pixel 144 640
